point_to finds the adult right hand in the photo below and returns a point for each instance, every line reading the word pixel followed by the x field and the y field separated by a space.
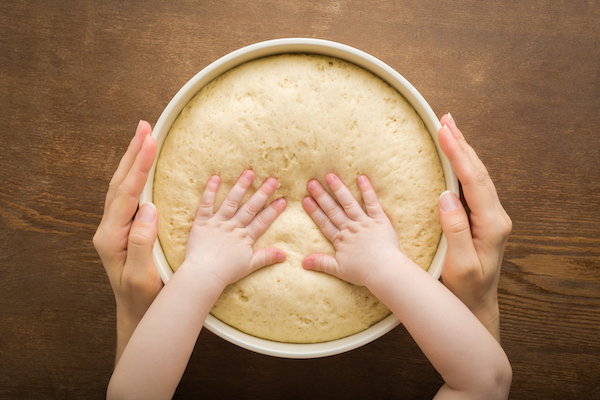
pixel 476 241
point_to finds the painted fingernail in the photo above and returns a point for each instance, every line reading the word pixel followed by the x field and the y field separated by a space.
pixel 449 201
pixel 451 120
pixel 146 213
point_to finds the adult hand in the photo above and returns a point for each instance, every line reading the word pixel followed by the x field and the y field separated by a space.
pixel 476 241
pixel 124 243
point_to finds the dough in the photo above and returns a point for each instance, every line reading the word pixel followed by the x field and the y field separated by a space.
pixel 297 117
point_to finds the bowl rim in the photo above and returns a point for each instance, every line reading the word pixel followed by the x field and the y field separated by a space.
pixel 307 46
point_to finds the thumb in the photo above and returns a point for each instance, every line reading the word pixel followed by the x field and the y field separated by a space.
pixel 456 227
pixel 266 256
pixel 142 235
pixel 322 263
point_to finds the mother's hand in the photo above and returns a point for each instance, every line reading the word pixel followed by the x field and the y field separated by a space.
pixel 124 243
pixel 476 241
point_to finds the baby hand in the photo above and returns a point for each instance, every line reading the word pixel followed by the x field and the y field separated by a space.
pixel 363 241
pixel 220 243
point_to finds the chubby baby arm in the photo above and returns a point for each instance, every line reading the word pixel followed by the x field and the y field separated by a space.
pixel 219 252
pixel 469 359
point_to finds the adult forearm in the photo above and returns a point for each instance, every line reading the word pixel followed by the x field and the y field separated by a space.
pixel 155 358
pixel 126 325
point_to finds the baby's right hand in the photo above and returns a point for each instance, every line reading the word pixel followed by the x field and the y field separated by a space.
pixel 364 242
pixel 220 242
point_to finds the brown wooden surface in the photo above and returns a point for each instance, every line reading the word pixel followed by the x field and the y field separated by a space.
pixel 522 79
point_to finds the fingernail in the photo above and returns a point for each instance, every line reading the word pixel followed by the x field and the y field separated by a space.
pixel 448 132
pixel 312 185
pixel 307 202
pixel 249 175
pixel 308 264
pixel 279 257
pixel 451 119
pixel 146 140
pixel 138 126
pixel 362 180
pixel 272 182
pixel 449 201
pixel 330 178
pixel 146 213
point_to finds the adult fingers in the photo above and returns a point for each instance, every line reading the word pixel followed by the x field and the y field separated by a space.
pixel 374 209
pixel 322 263
pixel 235 196
pixel 448 120
pixel 489 220
pixel 320 218
pixel 333 210
pixel 265 218
pixel 141 239
pixel 455 224
pixel 345 197
pixel 135 145
pixel 266 256
pixel 127 194
pixel 207 201
pixel 248 211
pixel 478 188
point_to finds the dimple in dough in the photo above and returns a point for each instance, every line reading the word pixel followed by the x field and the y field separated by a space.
pixel 297 117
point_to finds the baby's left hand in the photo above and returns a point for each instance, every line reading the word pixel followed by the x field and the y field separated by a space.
pixel 363 241
pixel 220 243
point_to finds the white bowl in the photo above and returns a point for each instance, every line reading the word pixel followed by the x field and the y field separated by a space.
pixel 308 46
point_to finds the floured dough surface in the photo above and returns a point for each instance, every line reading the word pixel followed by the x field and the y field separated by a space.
pixel 296 118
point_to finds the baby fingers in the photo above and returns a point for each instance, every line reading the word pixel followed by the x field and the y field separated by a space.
pixel 265 218
pixel 320 218
pixel 266 256
pixel 248 211
pixel 232 201
pixel 374 209
pixel 334 212
pixel 344 197
pixel 207 202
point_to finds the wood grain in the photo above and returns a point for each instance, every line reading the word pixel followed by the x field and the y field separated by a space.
pixel 522 80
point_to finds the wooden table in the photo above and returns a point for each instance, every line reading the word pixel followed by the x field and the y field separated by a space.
pixel 522 80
